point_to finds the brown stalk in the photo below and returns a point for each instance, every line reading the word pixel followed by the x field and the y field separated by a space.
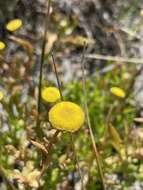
pixel 71 135
pixel 88 120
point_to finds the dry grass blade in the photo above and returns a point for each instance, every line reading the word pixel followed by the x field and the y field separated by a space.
pixel 114 58
pixel 24 43
pixel 138 119
pixel 115 135
pixel 88 119
pixel 39 146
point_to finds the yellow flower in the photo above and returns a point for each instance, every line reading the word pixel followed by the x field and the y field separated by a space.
pixel 118 92
pixel 50 94
pixel 14 24
pixel 2 45
pixel 66 116
pixel 1 95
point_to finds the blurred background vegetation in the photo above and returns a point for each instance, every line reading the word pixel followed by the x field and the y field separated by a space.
pixel 110 28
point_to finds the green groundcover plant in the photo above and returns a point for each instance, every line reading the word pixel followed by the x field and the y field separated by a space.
pixel 84 134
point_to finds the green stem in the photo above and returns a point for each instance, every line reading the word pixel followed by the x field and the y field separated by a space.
pixel 88 120
pixel 60 89
pixel 57 76
pixel 77 161
pixel 39 132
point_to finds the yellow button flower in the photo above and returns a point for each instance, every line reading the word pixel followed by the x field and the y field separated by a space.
pixel 50 94
pixel 118 92
pixel 13 25
pixel 66 116
pixel 2 45
pixel 1 95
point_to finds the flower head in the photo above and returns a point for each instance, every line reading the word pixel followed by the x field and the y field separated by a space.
pixel 1 95
pixel 14 24
pixel 50 94
pixel 2 45
pixel 66 116
pixel 118 92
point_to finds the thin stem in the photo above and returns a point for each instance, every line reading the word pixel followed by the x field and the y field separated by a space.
pixel 48 156
pixel 114 58
pixel 77 161
pixel 88 119
pixel 60 89
pixel 49 148
pixel 39 133
pixel 108 120
pixel 57 77
pixel 43 55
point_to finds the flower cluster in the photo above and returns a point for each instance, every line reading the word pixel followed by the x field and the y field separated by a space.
pixel 64 115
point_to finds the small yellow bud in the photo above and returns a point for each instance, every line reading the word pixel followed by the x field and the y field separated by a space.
pixel 14 25
pixel 1 95
pixel 50 94
pixel 118 92
pixel 2 45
